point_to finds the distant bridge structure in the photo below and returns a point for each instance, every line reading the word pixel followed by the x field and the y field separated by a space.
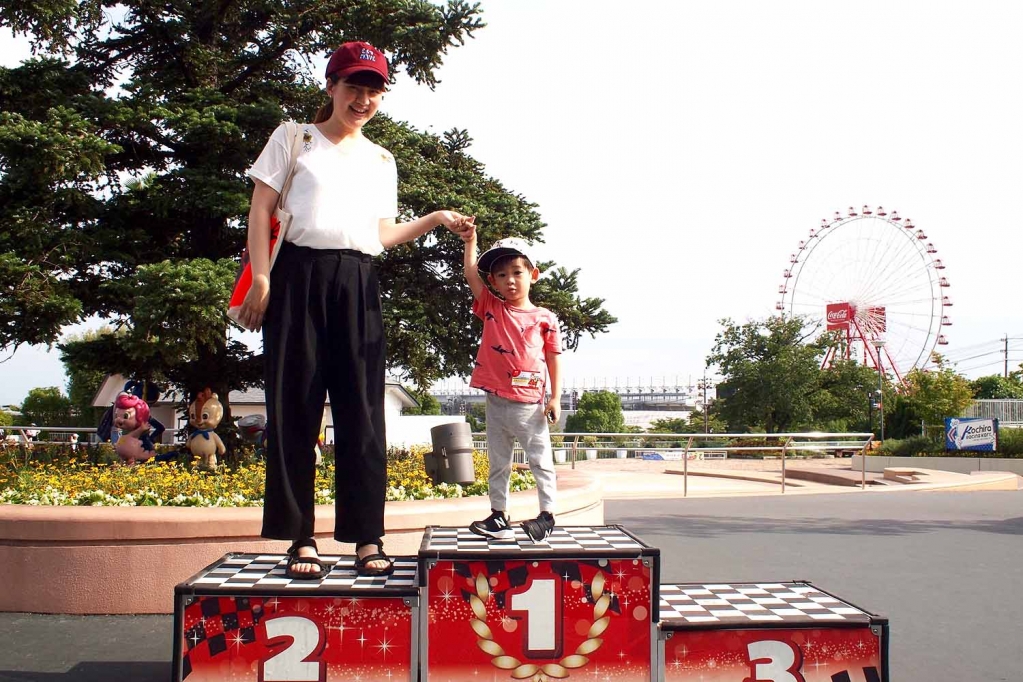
pixel 457 399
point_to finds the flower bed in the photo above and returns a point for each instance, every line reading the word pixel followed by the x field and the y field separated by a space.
pixel 92 477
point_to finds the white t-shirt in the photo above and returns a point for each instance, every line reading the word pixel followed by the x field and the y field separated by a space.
pixel 337 198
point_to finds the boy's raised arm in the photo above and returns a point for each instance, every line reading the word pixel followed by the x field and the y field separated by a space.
pixel 472 272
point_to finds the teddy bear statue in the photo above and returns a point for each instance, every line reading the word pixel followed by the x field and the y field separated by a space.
pixel 204 414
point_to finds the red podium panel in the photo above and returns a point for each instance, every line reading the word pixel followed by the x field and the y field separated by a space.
pixel 242 619
pixel 768 632
pixel 579 605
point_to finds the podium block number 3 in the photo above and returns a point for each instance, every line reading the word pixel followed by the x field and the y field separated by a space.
pixel 538 605
pixel 774 661
pixel 302 639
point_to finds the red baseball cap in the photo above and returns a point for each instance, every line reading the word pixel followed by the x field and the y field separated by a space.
pixel 357 56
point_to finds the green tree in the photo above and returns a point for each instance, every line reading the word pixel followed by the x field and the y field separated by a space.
pixel 46 407
pixel 771 373
pixel 936 394
pixel 6 418
pixel 597 412
pixel 843 398
pixel 712 424
pixel 123 151
pixel 427 404
pixel 83 383
pixel 997 387
pixel 476 415
pixel 671 425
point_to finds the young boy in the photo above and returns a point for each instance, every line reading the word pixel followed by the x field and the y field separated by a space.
pixel 521 345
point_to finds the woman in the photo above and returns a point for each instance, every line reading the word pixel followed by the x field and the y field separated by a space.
pixel 320 312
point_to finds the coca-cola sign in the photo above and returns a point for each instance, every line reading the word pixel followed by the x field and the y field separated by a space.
pixel 839 315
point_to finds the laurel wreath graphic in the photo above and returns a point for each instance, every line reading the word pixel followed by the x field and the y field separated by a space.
pixel 530 671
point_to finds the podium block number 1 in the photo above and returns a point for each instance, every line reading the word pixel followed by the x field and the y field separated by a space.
pixel 538 604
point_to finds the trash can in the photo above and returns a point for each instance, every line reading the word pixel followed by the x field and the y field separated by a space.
pixel 451 459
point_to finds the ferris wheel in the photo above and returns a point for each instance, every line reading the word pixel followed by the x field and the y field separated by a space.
pixel 874 278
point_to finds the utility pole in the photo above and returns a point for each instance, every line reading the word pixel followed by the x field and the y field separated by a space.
pixel 878 345
pixel 1006 355
pixel 706 417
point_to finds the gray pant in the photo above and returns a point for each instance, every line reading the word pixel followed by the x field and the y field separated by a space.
pixel 506 421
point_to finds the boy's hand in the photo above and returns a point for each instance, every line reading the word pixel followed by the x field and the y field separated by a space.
pixel 456 222
pixel 553 410
pixel 469 234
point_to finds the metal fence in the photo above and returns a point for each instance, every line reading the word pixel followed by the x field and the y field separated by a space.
pixel 1007 412
pixel 686 447
pixel 45 434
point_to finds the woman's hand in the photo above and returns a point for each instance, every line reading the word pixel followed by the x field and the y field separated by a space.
pixel 254 306
pixel 392 233
pixel 456 222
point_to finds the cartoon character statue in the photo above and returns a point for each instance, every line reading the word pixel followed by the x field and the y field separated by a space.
pixel 204 414
pixel 131 419
pixel 144 390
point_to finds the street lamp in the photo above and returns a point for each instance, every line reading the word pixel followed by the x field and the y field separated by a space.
pixel 878 345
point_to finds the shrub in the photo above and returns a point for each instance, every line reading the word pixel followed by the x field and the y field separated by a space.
pixel 93 476
pixel 1010 443
pixel 914 446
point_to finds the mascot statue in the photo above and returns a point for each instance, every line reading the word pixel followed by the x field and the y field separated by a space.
pixel 131 419
pixel 204 414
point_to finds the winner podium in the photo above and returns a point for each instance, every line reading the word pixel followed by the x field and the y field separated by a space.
pixel 585 604
pixel 242 618
pixel 580 604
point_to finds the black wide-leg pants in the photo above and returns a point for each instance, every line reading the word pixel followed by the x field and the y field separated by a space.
pixel 323 334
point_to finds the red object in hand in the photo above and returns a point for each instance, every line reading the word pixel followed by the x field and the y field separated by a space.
pixel 243 282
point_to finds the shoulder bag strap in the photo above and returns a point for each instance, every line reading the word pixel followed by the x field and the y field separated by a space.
pixel 296 147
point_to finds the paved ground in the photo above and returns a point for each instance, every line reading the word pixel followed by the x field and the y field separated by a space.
pixel 944 567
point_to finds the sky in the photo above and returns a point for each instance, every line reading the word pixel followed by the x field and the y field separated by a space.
pixel 680 151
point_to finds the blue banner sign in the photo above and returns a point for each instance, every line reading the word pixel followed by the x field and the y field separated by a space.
pixel 968 433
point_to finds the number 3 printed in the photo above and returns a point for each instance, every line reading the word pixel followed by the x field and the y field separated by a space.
pixel 773 661
pixel 302 639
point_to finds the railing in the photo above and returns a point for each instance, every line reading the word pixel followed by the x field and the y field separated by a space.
pixel 60 434
pixel 631 442
pixel 1005 411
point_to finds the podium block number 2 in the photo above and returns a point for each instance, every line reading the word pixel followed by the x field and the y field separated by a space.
pixel 538 605
pixel 302 639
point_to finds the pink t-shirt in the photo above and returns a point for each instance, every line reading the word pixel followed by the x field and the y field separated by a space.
pixel 510 362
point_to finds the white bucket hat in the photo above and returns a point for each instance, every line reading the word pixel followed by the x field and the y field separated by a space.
pixel 509 246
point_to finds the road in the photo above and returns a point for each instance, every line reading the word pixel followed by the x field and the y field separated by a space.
pixel 945 568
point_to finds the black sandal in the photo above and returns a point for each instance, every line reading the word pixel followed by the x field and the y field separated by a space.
pixel 294 558
pixel 362 564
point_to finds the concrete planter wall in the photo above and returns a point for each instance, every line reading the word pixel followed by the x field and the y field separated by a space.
pixel 95 560
pixel 962 465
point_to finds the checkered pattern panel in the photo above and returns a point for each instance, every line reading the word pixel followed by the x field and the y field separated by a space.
pixel 745 604
pixel 261 571
pixel 582 539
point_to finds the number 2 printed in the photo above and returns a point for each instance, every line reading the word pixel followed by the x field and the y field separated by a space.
pixel 303 640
